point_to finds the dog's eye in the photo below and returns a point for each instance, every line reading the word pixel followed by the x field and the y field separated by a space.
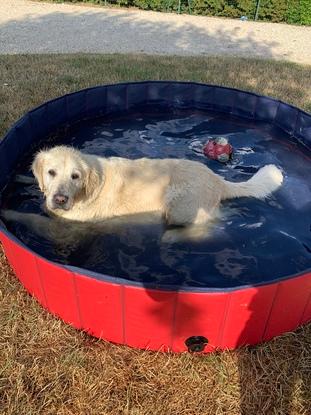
pixel 52 173
pixel 75 176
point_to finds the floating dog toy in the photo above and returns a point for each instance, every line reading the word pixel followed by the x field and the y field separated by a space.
pixel 218 149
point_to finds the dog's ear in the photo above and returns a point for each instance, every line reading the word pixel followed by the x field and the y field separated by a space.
pixel 37 169
pixel 92 180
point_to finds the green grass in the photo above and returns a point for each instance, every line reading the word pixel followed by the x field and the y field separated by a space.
pixel 48 368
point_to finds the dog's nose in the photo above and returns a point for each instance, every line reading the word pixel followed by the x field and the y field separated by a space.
pixel 60 199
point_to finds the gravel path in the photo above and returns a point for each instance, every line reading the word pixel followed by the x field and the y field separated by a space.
pixel 31 27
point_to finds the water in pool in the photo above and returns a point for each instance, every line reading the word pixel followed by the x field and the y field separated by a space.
pixel 253 242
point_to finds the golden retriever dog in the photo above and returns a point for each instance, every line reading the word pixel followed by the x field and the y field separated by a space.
pixel 88 188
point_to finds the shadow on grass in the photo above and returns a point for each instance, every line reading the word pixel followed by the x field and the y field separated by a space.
pixel 275 377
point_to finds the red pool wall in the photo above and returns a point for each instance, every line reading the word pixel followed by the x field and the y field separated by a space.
pixel 162 320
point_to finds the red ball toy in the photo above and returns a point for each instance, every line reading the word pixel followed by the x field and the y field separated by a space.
pixel 218 149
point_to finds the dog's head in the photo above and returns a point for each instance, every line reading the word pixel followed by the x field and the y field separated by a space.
pixel 65 176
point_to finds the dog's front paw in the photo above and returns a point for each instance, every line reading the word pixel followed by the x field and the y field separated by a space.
pixel 192 233
pixel 8 215
pixel 170 236
pixel 23 179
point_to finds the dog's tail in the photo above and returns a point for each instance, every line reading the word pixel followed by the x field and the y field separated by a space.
pixel 262 184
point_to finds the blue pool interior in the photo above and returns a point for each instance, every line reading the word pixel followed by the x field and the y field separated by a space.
pixel 252 242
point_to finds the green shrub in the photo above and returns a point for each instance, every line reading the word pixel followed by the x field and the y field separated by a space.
pixel 299 12
pixel 288 11
pixel 305 12
pixel 157 5
pixel 293 11
pixel 273 10
pixel 238 8
pixel 208 7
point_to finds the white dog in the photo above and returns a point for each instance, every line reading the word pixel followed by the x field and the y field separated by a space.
pixel 86 188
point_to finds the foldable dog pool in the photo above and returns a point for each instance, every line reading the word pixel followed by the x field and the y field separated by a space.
pixel 248 281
